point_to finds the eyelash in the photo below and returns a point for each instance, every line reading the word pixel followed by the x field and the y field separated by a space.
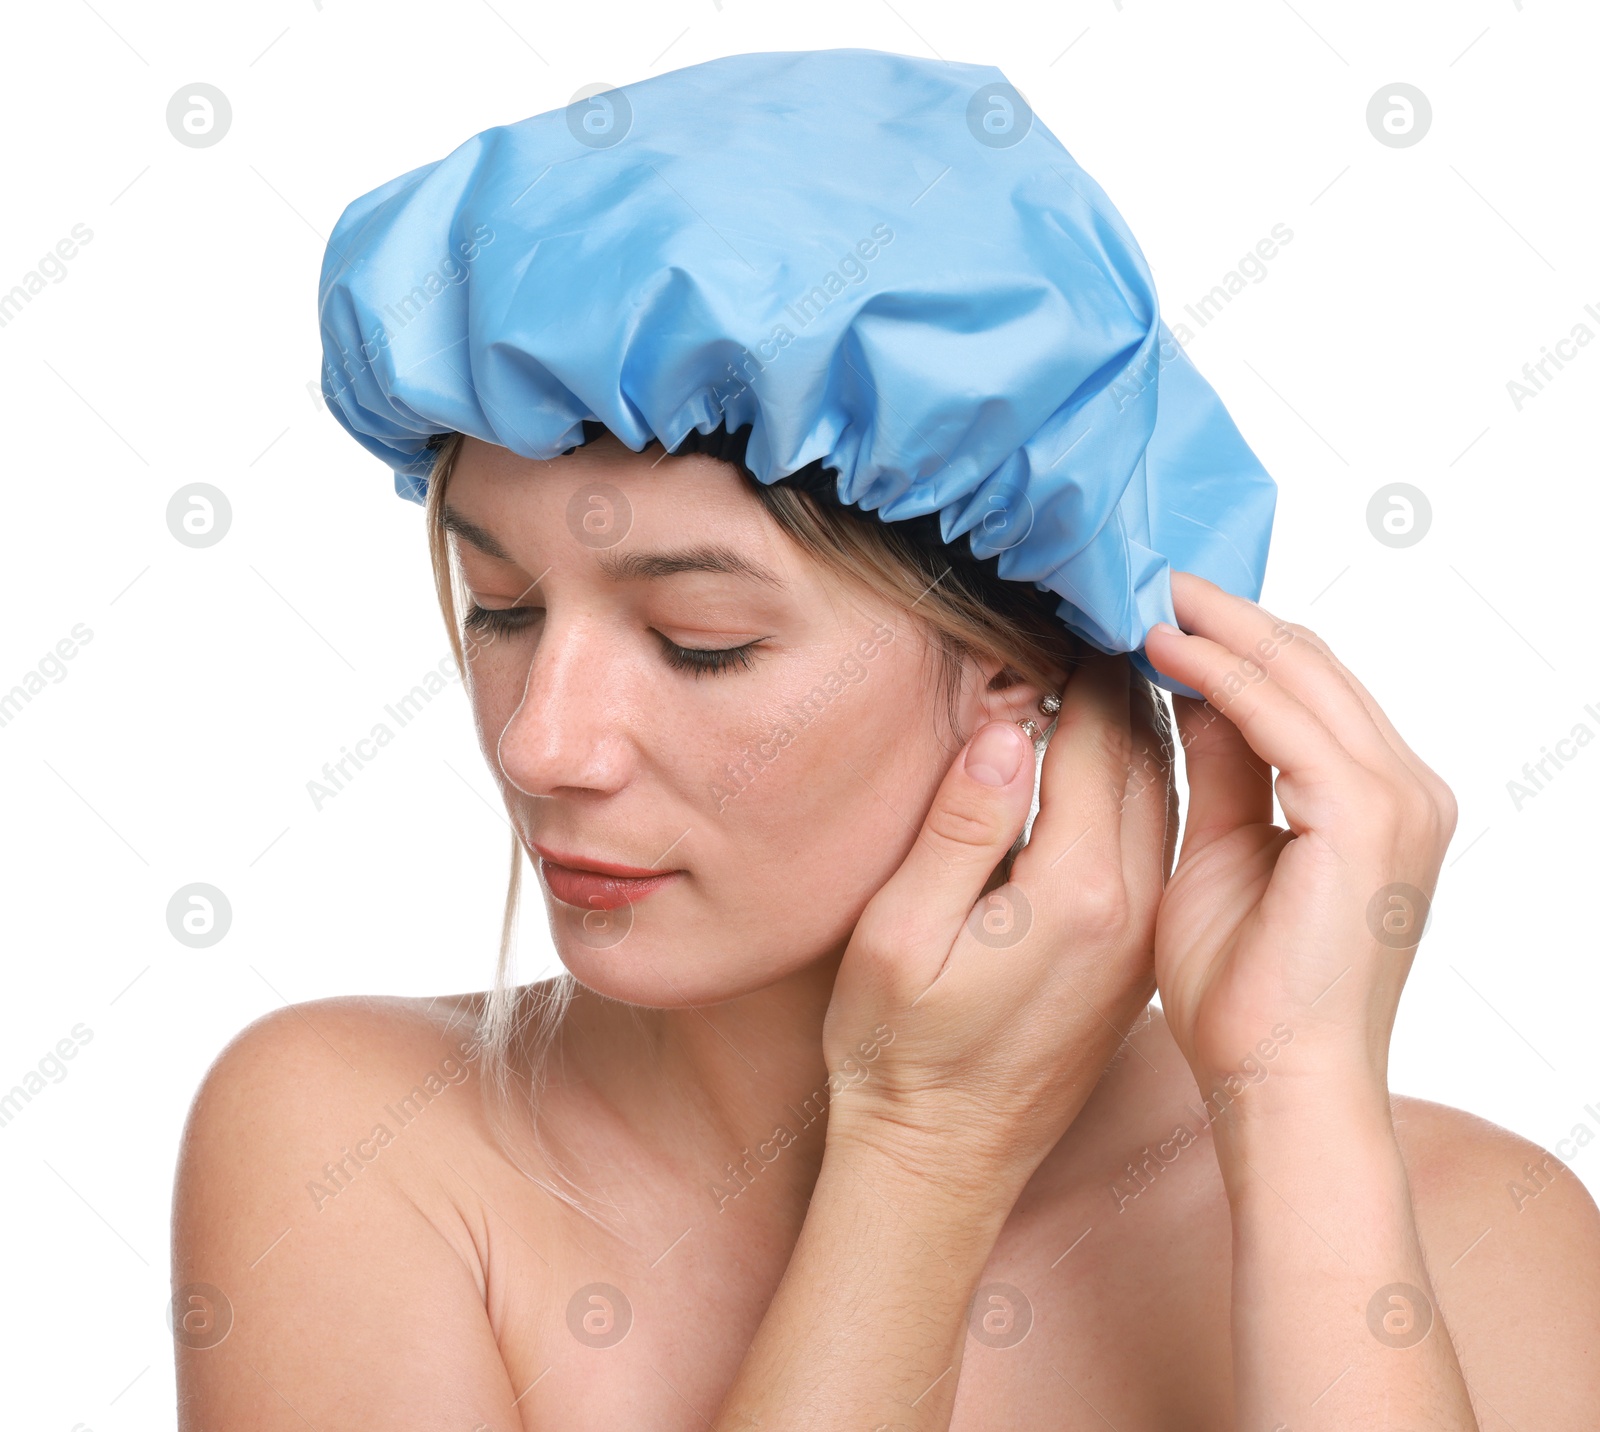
pixel 698 661
pixel 702 661
pixel 499 620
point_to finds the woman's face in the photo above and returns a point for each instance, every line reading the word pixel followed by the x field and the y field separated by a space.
pixel 676 686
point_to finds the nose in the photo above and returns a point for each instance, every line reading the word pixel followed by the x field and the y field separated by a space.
pixel 560 738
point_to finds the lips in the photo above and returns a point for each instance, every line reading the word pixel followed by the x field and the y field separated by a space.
pixel 598 884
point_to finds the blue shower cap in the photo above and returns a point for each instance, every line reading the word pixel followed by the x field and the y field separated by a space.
pixel 884 264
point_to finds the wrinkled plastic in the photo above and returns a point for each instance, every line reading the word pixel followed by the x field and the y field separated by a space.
pixel 885 263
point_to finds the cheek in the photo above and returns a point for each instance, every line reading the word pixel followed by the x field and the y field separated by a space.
pixel 494 689
pixel 816 802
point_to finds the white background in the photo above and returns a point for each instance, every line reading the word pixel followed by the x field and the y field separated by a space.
pixel 180 345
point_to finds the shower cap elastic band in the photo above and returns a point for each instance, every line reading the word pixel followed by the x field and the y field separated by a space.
pixel 884 264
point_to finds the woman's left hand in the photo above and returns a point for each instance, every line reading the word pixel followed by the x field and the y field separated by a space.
pixel 1265 935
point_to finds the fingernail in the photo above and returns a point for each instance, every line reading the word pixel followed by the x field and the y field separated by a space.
pixel 1166 627
pixel 995 755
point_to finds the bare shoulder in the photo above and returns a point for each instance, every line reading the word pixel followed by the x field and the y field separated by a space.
pixel 322 1228
pixel 336 1077
pixel 321 1036
pixel 1510 1190
pixel 303 1102
pixel 1512 1239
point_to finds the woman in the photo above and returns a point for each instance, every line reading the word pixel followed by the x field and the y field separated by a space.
pixel 852 1108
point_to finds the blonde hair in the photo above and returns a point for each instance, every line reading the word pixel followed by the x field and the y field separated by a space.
pixel 962 604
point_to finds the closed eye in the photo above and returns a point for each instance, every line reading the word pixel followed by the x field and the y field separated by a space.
pixel 697 660
pixel 500 619
pixel 702 660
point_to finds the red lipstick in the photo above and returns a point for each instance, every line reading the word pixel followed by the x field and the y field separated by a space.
pixel 597 884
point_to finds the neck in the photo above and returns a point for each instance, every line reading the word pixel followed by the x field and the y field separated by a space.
pixel 727 1104
pixel 731 1099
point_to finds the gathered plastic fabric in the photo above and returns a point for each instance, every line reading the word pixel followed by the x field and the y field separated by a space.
pixel 882 263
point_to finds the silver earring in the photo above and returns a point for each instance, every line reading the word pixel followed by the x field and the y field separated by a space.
pixel 1050 704
pixel 1030 728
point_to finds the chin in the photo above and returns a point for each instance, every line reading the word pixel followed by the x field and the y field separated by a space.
pixel 659 954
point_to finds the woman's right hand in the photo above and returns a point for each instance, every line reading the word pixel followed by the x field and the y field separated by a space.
pixel 965 1033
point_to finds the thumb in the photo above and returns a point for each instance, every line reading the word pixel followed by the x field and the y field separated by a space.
pixel 977 812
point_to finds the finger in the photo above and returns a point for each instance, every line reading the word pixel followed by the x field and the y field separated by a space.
pixel 1258 638
pixel 976 814
pixel 1229 785
pixel 1081 783
pixel 1275 724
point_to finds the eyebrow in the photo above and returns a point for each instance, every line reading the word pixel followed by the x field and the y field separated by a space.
pixel 631 566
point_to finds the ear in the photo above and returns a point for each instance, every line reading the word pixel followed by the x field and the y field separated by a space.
pixel 1008 696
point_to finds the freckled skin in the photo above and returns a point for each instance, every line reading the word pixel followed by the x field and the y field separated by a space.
pixel 602 749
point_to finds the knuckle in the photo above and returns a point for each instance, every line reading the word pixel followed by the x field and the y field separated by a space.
pixel 1388 810
pixel 1364 802
pixel 1442 809
pixel 1399 813
pixel 1447 810
pixel 1244 711
pixel 884 934
pixel 1422 813
pixel 1100 898
pixel 1421 810
pixel 959 824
